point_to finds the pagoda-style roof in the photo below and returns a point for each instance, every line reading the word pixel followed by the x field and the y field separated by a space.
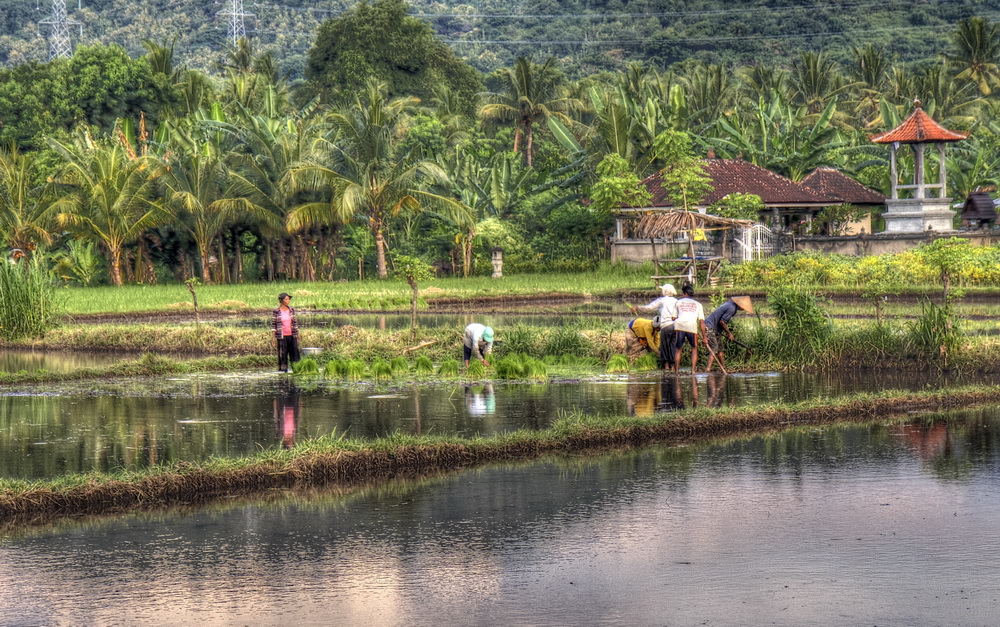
pixel 736 176
pixel 919 128
pixel 832 183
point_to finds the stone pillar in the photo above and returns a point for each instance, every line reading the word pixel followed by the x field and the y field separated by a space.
pixel 497 262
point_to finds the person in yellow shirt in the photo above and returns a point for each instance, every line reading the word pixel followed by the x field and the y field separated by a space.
pixel 642 336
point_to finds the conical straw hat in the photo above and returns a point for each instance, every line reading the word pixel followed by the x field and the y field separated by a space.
pixel 743 302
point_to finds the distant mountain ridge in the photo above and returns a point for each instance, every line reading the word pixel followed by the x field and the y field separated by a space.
pixel 587 35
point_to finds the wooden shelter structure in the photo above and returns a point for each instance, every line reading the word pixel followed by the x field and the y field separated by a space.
pixel 667 225
pixel 979 210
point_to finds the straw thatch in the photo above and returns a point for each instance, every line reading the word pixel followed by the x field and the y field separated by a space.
pixel 667 224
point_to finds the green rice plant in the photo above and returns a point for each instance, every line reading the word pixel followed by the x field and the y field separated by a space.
pixel 646 362
pixel 588 362
pixel 399 365
pixel 381 370
pixel 424 365
pixel 567 359
pixel 448 368
pixel 617 363
pixel 305 366
pixel 476 370
pixel 550 360
pixel 356 370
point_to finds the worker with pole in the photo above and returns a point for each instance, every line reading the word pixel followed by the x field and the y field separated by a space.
pixel 717 324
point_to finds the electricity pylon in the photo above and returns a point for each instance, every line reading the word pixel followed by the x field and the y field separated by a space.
pixel 59 43
pixel 235 14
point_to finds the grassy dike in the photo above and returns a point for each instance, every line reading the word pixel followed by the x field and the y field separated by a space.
pixel 348 462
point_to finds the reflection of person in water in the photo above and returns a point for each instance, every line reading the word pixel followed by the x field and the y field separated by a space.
pixel 642 398
pixel 716 383
pixel 480 401
pixel 286 413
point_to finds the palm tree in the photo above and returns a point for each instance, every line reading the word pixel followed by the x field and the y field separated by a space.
pixel 367 177
pixel 870 73
pixel 530 93
pixel 816 81
pixel 205 198
pixel 977 44
pixel 110 197
pixel 25 219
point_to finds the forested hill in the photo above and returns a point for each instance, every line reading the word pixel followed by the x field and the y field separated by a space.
pixel 587 35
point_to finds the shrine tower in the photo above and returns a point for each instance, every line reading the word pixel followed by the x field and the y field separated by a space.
pixel 917 212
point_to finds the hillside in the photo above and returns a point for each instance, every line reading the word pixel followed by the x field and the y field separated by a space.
pixel 589 35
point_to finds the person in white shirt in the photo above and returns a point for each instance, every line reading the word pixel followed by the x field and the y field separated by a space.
pixel 689 319
pixel 664 306
pixel 477 341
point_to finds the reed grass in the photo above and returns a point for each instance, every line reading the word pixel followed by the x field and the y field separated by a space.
pixel 335 459
pixel 28 303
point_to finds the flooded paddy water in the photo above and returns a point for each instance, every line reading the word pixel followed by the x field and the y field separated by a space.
pixel 53 429
pixel 848 525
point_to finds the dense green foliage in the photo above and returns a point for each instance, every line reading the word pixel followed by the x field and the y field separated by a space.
pixel 238 172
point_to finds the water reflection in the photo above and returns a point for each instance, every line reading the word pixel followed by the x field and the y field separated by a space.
pixel 286 412
pixel 103 425
pixel 480 400
pixel 842 525
pixel 58 361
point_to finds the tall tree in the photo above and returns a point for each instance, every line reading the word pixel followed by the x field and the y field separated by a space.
pixel 25 220
pixel 977 51
pixel 110 196
pixel 528 94
pixel 365 174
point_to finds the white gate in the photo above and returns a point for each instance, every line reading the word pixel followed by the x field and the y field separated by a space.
pixel 756 242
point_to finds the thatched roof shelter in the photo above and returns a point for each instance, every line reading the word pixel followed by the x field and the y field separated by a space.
pixel 667 224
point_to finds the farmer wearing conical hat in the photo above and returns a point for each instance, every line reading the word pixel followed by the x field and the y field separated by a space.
pixel 717 323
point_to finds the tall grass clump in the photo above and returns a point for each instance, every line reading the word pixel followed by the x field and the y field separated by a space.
pixel 804 328
pixel 520 338
pixel 935 334
pixel 28 304
pixel 565 340
pixel 424 365
pixel 448 368
pixel 617 364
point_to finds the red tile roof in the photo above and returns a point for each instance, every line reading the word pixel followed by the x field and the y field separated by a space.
pixel 918 128
pixel 736 176
pixel 832 183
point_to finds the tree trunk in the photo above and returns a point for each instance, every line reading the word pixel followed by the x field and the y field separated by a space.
pixel 531 143
pixel 380 250
pixel 205 276
pixel 115 271
pixel 413 309
pixel 467 253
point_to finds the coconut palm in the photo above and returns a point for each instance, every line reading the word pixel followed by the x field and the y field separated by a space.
pixel 816 81
pixel 110 196
pixel 364 173
pixel 204 196
pixel 870 73
pixel 530 93
pixel 977 50
pixel 25 219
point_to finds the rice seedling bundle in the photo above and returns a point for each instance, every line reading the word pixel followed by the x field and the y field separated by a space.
pixel 617 363
pixel 399 365
pixel 567 359
pixel 337 368
pixel 646 362
pixel 356 370
pixel 476 370
pixel 424 365
pixel 511 367
pixel 535 369
pixel 448 368
pixel 305 366
pixel 550 360
pixel 381 371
